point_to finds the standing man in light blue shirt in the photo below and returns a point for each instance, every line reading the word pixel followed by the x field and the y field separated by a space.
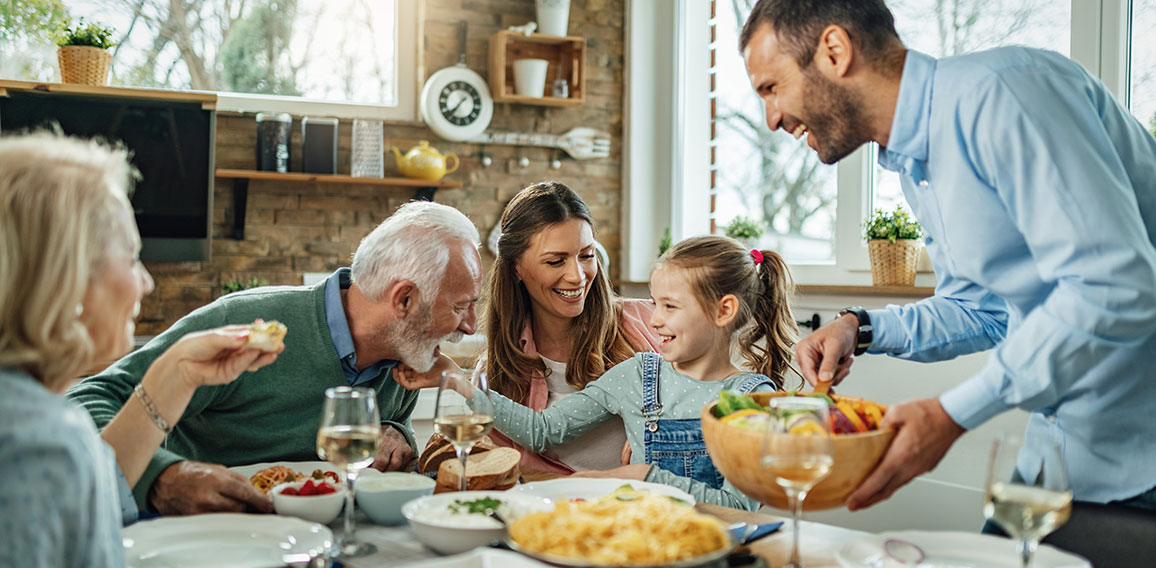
pixel 1037 193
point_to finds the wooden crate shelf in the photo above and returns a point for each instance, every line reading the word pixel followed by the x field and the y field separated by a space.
pixel 566 55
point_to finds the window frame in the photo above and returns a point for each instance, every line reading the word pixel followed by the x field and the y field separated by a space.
pixel 1100 37
pixel 407 43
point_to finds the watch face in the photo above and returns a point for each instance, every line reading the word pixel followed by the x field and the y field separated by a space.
pixel 460 103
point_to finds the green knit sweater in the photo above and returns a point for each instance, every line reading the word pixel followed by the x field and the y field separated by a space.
pixel 268 415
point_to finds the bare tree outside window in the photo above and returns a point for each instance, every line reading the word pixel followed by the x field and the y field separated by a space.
pixel 327 50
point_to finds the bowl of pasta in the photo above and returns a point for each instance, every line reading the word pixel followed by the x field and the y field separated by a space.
pixel 735 439
pixel 450 523
pixel 625 528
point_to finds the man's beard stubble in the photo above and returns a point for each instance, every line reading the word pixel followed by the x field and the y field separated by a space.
pixel 835 114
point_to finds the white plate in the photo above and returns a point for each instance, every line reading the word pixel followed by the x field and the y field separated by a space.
pixel 305 467
pixel 944 549
pixel 567 488
pixel 222 539
pixel 481 558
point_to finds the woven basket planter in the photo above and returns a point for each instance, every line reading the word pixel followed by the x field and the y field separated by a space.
pixel 83 64
pixel 893 264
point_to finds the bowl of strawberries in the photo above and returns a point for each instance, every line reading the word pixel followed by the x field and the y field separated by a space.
pixel 317 500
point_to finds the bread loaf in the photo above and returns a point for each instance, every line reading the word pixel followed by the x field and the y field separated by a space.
pixel 439 449
pixel 266 335
pixel 496 469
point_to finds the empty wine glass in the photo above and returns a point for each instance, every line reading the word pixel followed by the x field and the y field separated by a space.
pixel 349 438
pixel 464 413
pixel 1027 507
pixel 798 452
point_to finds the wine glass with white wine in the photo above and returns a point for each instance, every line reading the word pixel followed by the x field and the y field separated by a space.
pixel 798 452
pixel 349 438
pixel 1029 507
pixel 464 413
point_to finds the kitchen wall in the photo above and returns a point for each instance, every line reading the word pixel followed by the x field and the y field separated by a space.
pixel 296 228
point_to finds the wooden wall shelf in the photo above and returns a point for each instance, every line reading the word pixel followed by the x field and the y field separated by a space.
pixel 567 57
pixel 424 189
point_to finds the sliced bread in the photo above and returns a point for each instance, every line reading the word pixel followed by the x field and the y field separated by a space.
pixel 496 469
pixel 439 449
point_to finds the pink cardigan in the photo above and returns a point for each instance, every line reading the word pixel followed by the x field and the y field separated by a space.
pixel 634 323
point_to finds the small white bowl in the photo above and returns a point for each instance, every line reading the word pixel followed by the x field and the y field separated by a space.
pixel 448 533
pixel 317 508
pixel 382 495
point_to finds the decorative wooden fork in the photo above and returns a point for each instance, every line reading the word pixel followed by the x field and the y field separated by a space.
pixel 580 143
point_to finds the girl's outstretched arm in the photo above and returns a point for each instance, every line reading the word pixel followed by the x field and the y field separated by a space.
pixel 566 420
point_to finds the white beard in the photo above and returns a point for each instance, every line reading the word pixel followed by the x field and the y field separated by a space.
pixel 414 345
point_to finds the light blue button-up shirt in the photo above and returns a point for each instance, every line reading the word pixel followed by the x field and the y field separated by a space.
pixel 342 337
pixel 1037 194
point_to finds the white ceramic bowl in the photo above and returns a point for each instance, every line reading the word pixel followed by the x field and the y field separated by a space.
pixel 317 508
pixel 381 496
pixel 448 533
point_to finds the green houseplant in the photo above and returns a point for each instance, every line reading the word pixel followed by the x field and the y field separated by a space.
pixel 893 243
pixel 83 54
pixel 237 285
pixel 745 230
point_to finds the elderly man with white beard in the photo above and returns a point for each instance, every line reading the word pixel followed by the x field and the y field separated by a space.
pixel 413 283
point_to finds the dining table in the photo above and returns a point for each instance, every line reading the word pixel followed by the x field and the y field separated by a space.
pixel 818 543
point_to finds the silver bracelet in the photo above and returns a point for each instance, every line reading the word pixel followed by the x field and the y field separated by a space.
pixel 151 409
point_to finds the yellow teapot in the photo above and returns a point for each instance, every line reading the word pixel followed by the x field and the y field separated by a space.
pixel 424 162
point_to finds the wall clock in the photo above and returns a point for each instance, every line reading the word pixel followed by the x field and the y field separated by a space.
pixel 455 102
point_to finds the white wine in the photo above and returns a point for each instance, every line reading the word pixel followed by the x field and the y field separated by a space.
pixel 798 472
pixel 464 429
pixel 1027 512
pixel 349 446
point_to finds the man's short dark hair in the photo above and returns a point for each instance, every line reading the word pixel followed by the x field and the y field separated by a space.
pixel 799 23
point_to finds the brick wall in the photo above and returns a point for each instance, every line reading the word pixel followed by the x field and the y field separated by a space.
pixel 296 228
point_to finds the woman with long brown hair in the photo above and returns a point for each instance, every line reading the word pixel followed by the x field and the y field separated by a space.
pixel 553 324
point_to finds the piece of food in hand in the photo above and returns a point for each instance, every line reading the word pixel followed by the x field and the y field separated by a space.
pixel 266 335
pixel 496 470
pixel 439 449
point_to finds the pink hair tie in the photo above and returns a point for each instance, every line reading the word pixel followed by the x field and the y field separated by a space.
pixel 757 255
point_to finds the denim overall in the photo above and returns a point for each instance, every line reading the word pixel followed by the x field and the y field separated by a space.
pixel 676 445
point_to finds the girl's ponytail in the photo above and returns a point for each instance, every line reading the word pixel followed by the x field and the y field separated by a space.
pixel 766 344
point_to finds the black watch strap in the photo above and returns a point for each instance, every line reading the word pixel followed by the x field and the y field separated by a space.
pixel 866 332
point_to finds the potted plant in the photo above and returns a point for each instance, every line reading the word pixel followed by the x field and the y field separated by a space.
pixel 231 286
pixel 83 54
pixel 745 230
pixel 893 242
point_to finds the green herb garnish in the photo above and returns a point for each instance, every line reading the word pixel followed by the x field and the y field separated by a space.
pixel 475 507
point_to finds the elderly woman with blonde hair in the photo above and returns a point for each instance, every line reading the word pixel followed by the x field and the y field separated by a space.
pixel 70 289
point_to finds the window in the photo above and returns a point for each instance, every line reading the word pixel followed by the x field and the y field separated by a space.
pixel 963 26
pixel 1142 51
pixel 820 234
pixel 277 55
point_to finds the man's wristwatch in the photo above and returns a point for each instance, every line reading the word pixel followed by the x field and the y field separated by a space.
pixel 866 332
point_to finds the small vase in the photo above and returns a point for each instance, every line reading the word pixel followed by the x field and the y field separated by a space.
pixel 83 64
pixel 893 264
pixel 553 16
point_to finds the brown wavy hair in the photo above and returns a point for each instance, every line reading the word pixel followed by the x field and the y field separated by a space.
pixel 599 343
pixel 719 266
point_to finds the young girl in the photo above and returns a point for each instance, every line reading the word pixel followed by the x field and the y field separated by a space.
pixel 710 292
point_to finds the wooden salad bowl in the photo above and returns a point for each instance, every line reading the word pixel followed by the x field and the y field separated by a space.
pixel 736 453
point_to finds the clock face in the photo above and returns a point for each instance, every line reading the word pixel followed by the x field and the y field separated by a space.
pixel 456 104
pixel 460 103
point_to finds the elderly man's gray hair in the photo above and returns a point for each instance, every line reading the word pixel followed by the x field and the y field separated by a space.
pixel 412 244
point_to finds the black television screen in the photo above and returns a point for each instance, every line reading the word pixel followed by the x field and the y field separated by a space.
pixel 171 144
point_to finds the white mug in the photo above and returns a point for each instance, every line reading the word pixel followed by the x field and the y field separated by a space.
pixel 530 77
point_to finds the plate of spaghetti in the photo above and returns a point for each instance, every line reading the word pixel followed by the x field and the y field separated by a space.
pixel 626 528
pixel 264 476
